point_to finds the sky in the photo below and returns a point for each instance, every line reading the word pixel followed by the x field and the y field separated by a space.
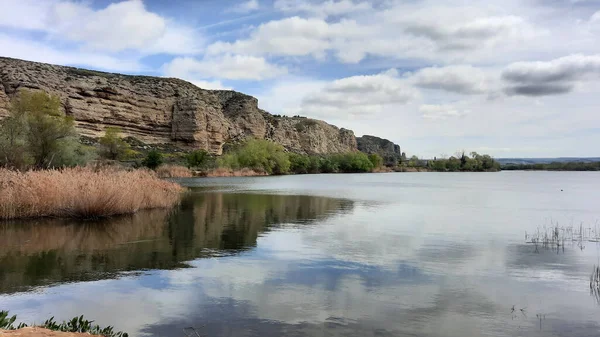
pixel 511 78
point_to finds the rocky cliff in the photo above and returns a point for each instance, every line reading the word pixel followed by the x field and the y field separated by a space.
pixel 159 110
pixel 389 151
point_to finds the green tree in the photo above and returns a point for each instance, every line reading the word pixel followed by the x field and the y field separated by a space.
pixel 413 161
pixel 38 133
pixel 299 163
pixel 329 165
pixel 353 162
pixel 153 160
pixel 13 141
pixel 376 160
pixel 49 130
pixel 258 154
pixel 453 164
pixel 314 165
pixel 113 147
pixel 198 158
pixel 438 165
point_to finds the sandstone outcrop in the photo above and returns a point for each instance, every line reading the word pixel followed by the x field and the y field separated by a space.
pixel 388 150
pixel 160 110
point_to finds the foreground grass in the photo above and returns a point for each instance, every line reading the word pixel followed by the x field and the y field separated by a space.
pixel 77 325
pixel 82 192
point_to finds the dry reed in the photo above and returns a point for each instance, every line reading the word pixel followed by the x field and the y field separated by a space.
pixel 82 193
pixel 225 172
pixel 173 171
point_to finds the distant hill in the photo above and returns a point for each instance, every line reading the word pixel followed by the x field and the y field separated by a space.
pixel 520 161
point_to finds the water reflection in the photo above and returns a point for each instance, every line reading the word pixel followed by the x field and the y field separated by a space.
pixel 400 261
pixel 43 252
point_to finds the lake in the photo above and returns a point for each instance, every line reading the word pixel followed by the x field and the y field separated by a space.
pixel 397 254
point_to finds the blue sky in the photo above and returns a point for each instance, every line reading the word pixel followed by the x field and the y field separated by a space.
pixel 509 78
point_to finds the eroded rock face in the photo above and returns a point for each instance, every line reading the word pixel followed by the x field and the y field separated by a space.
pixel 165 110
pixel 389 151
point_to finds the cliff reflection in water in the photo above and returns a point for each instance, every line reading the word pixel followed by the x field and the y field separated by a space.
pixel 52 251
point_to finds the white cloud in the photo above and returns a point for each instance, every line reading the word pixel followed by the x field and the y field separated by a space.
pixel 441 111
pixel 245 7
pixel 359 95
pixel 25 14
pixel 285 97
pixel 558 76
pixel 322 9
pixel 121 26
pixel 403 31
pixel 211 85
pixel 234 67
pixel 293 36
pixel 40 52
pixel 462 79
pixel 126 25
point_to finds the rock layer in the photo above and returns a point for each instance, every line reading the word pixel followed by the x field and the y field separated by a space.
pixel 159 110
pixel 388 150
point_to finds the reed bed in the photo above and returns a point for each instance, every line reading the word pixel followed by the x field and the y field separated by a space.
pixel 595 283
pixel 82 192
pixel 173 171
pixel 557 236
pixel 225 172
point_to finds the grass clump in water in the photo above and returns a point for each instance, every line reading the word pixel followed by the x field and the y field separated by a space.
pixel 173 171
pixel 595 283
pixel 82 192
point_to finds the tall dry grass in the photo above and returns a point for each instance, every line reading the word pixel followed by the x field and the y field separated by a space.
pixel 225 172
pixel 82 192
pixel 173 171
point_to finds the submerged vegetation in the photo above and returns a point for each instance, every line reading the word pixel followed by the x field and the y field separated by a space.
pixel 82 192
pixel 595 283
pixel 77 324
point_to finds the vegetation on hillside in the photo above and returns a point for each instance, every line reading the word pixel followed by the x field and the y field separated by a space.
pixel 37 134
pixel 271 158
pixel 112 146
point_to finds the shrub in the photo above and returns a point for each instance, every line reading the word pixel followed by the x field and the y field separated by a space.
pixel 113 146
pixel 328 165
pixel 173 171
pixel 259 155
pixel 153 160
pixel 353 162
pixel 82 192
pixel 376 160
pixel 299 164
pixel 198 158
pixel 37 133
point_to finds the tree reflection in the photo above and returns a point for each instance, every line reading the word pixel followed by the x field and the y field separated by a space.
pixel 49 251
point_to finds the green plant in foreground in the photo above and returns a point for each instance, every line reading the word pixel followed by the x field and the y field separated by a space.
pixel 76 324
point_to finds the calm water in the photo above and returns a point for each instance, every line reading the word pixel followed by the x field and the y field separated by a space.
pixel 421 254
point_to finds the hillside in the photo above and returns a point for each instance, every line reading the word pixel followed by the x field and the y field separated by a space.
pixel 158 110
